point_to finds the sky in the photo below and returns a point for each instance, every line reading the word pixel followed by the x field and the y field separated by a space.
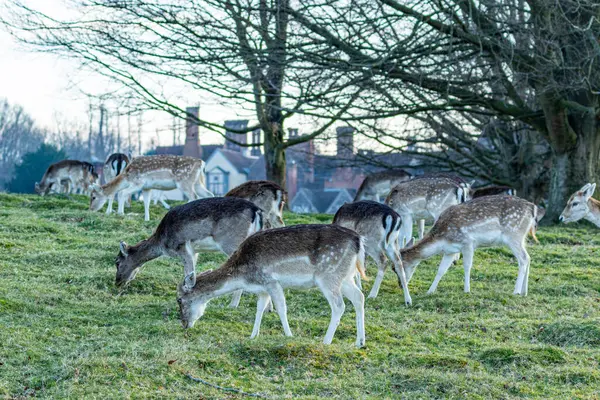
pixel 49 89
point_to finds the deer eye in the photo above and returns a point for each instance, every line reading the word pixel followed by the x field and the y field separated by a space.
pixel 179 300
pixel 575 203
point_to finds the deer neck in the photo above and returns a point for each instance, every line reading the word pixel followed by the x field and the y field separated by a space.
pixel 117 184
pixel 425 248
pixel 146 250
pixel 217 283
pixel 594 214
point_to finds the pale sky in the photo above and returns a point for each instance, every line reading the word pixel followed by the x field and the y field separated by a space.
pixel 47 87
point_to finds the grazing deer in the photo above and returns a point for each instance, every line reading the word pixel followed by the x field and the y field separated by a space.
pixel 377 185
pixel 269 196
pixel 486 221
pixel 164 172
pixel 379 226
pixel 582 205
pixel 114 165
pixel 214 224
pixel 71 174
pixel 493 191
pixel 423 198
pixel 300 256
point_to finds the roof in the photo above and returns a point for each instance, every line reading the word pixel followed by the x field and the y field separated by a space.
pixel 321 200
pixel 241 162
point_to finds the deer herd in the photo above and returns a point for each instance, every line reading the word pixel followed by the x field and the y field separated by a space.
pixel 265 256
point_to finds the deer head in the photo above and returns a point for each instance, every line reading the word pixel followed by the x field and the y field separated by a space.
pixel 127 268
pixel 97 197
pixel 192 303
pixel 577 206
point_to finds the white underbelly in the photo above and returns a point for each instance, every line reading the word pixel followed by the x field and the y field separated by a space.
pixel 160 184
pixel 302 281
pixel 206 244
pixel 487 238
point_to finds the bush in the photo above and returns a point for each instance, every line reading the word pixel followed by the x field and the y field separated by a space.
pixel 32 168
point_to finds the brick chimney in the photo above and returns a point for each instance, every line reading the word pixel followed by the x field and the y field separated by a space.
pixel 192 142
pixel 238 124
pixel 345 142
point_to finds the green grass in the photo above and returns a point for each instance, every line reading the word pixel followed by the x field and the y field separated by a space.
pixel 66 332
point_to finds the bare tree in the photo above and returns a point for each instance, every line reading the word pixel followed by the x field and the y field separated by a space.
pixel 530 61
pixel 245 52
pixel 18 136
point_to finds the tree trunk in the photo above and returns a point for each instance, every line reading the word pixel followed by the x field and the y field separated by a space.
pixel 574 166
pixel 275 155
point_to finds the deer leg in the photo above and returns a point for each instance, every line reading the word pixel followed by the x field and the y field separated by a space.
pixel 526 279
pixel 147 198
pixel 358 301
pixel 164 203
pixel 263 299
pixel 188 256
pixel 357 280
pixel 336 302
pixel 421 228
pixel 121 202
pixel 467 253
pixel 278 297
pixel 406 229
pixel 155 197
pixel 109 207
pixel 523 260
pixel 444 265
pixel 381 264
pixel 235 299
pixel 399 270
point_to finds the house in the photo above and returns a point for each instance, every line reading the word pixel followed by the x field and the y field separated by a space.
pixel 309 201
pixel 226 169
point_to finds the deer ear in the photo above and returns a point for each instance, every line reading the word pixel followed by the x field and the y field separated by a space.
pixel 123 248
pixel 189 282
pixel 97 188
pixel 588 190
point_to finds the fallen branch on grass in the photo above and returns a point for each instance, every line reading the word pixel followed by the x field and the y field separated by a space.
pixel 226 389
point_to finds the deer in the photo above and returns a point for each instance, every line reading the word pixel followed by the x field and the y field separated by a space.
pixel 482 222
pixel 377 185
pixel 163 172
pixel 70 174
pixel 492 191
pixel 379 226
pixel 299 256
pixel 212 224
pixel 267 195
pixel 113 166
pixel 582 205
pixel 422 198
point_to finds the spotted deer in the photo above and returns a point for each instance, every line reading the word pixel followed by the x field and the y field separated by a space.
pixel 423 198
pixel 379 227
pixel 492 191
pixel 485 221
pixel 582 205
pixel 269 196
pixel 164 172
pixel 113 166
pixel 377 185
pixel 300 256
pixel 214 224
pixel 72 174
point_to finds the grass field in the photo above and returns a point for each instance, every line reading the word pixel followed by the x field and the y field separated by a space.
pixel 66 332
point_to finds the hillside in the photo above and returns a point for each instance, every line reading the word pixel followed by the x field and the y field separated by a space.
pixel 67 332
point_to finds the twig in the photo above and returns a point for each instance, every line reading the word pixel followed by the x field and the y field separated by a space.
pixel 226 389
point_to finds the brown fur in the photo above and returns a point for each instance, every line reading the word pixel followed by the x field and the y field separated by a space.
pixel 267 195
pixel 379 184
